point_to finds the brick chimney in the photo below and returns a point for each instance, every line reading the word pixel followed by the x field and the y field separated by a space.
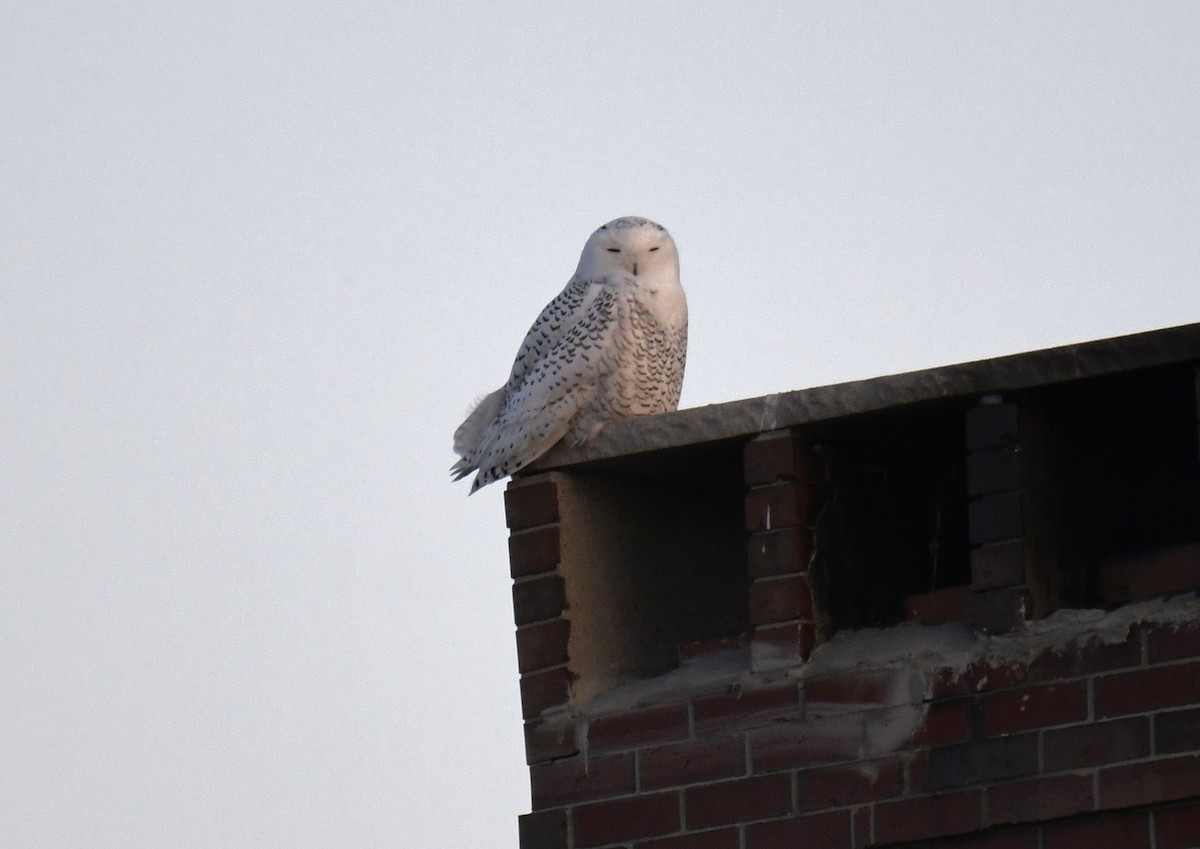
pixel 946 608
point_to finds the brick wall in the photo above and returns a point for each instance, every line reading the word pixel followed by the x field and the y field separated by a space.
pixel 1092 741
pixel 704 652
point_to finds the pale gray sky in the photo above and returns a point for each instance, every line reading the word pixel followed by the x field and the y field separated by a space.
pixel 258 258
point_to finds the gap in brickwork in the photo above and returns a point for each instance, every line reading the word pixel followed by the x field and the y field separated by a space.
pixel 649 565
pixel 1119 475
pixel 893 522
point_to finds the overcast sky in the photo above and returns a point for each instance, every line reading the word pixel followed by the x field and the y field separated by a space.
pixel 258 258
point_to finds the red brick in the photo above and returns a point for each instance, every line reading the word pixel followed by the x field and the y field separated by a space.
pixel 984 762
pixel 691 761
pixel 779 455
pixel 1173 642
pixel 780 505
pixel 938 607
pixel 541 691
pixel 1039 799
pixel 535 599
pixel 548 739
pixel 927 816
pixel 977 678
pixel 816 831
pixel 580 779
pixel 543 830
pixel 1034 707
pixel 1096 744
pixel 778 552
pixel 543 644
pixel 1145 783
pixel 776 646
pixel 1090 657
pixel 1177 731
pixel 531 502
pixel 860 821
pixel 945 722
pixel 721 838
pixel 871 687
pixel 838 786
pixel 1167 570
pixel 1178 828
pixel 1147 689
pixel 993 470
pixel 780 600
pixel 658 724
pixel 998 565
pixel 1007 838
pixel 742 708
pixel 994 518
pixel 1121 831
pixel 533 552
pixel 806 744
pixel 755 798
pixel 626 819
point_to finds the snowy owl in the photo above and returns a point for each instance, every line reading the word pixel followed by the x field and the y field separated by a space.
pixel 611 345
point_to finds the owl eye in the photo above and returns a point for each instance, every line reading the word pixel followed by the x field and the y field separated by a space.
pixel 614 250
pixel 653 249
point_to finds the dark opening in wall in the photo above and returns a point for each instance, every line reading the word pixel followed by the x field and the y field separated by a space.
pixel 893 520
pixel 651 560
pixel 1114 470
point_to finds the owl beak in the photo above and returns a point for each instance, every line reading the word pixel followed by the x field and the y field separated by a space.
pixel 635 269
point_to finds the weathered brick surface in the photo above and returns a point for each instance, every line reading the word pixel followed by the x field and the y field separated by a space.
pixel 995 518
pixel 998 565
pixel 1166 779
pixel 1091 744
pixel 538 598
pixel 779 552
pixel 780 600
pixel 1096 744
pixel 1122 831
pixel 754 798
pixel 1039 799
pixel 780 455
pixel 780 505
pixel 543 691
pixel 543 830
pixel 805 745
pixel 864 781
pixel 626 819
pixel 638 727
pixel 549 738
pixel 1178 828
pixel 530 502
pixel 691 761
pixel 1035 707
pixel 928 816
pixel 1147 689
pixel 1177 731
pixel 938 607
pixel 985 761
pixel 1165 643
pixel 718 838
pixel 579 779
pixel 746 707
pixel 543 644
pixel 817 831
pixel 534 551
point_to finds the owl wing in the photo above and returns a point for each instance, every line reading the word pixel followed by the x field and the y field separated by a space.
pixel 566 352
